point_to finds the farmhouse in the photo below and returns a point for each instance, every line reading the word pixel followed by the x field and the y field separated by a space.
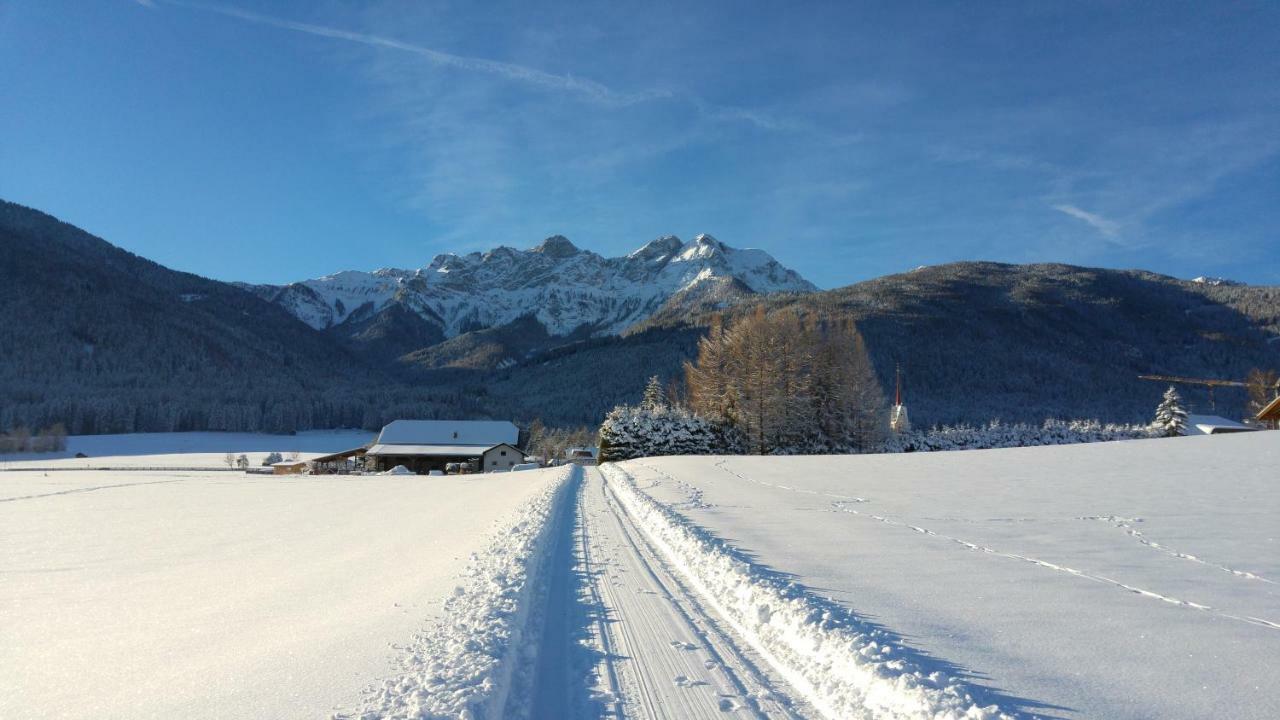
pixel 426 445
pixel 501 457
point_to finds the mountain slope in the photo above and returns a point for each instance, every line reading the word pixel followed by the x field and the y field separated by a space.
pixel 568 290
pixel 982 340
pixel 106 341
pixel 976 341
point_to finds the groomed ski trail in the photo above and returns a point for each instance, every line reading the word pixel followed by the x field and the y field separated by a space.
pixel 662 654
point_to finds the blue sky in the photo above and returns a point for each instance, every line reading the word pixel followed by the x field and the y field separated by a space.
pixel 275 141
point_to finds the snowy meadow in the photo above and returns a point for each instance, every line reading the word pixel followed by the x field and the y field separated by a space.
pixel 219 594
pixel 1129 579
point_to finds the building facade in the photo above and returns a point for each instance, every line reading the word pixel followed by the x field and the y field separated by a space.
pixel 426 445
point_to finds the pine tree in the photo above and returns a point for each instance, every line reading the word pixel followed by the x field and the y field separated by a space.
pixel 655 395
pixel 632 431
pixel 1171 418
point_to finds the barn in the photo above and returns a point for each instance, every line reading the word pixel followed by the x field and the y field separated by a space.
pixel 426 445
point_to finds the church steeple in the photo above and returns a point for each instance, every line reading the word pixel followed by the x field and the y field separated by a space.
pixel 898 421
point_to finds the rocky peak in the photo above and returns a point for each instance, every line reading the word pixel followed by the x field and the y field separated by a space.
pixel 568 289
pixel 557 246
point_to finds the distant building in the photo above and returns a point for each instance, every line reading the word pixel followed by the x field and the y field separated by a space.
pixel 426 445
pixel 898 420
pixel 339 463
pixel 1269 415
pixel 501 457
pixel 289 467
pixel 580 455
pixel 1214 425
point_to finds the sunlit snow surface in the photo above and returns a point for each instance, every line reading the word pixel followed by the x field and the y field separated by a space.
pixel 201 594
pixel 1120 580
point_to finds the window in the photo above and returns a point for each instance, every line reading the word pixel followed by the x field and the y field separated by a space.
pixel 504 453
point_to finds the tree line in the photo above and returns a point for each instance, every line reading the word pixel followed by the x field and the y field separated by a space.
pixel 785 382
pixel 20 439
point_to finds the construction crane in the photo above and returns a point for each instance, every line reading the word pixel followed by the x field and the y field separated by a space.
pixel 1211 383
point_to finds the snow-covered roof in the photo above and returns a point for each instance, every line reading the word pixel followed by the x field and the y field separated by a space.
pixel 430 450
pixel 289 463
pixel 1214 425
pixel 449 432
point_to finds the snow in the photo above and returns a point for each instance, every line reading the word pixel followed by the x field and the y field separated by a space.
pixel 218 594
pixel 185 449
pixel 842 666
pixel 656 651
pixel 569 288
pixel 1121 580
pixel 473 661
pixel 449 432
pixel 1132 579
pixel 1212 424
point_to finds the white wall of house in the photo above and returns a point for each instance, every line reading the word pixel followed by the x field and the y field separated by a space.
pixel 501 457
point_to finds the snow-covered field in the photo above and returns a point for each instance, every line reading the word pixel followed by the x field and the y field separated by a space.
pixel 1117 580
pixel 1132 579
pixel 184 449
pixel 216 594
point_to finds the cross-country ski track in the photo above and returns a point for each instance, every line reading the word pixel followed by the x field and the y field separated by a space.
pixel 662 653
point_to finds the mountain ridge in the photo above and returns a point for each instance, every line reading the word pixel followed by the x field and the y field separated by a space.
pixel 567 289
pixel 105 341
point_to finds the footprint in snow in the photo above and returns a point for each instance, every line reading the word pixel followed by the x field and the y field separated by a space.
pixel 727 704
pixel 684 681
pixel 682 645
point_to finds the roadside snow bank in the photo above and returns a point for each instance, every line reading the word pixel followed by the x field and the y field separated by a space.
pixel 843 666
pixel 466 665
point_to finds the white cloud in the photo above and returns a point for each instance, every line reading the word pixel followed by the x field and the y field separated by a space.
pixel 589 89
pixel 1108 228
pixel 519 73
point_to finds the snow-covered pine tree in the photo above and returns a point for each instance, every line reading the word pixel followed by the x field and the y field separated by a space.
pixel 632 431
pixel 655 395
pixel 616 441
pixel 1171 417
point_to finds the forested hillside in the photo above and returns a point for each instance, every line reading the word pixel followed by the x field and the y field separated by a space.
pixel 979 341
pixel 104 341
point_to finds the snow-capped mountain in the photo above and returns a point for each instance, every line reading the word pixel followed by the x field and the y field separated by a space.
pixel 567 289
pixel 1208 280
